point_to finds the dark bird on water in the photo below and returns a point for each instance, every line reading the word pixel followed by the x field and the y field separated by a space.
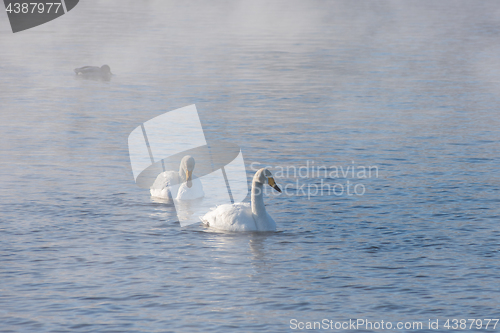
pixel 94 72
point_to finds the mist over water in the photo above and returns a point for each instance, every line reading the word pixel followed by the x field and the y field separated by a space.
pixel 409 87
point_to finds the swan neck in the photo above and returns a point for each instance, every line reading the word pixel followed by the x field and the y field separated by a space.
pixel 182 173
pixel 258 207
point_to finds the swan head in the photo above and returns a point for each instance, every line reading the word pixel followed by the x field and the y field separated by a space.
pixel 186 169
pixel 264 176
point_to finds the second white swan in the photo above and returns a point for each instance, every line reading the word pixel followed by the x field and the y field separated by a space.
pixel 189 187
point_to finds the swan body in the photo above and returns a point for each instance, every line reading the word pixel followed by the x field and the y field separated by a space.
pixel 94 72
pixel 160 188
pixel 188 189
pixel 245 216
pixel 190 193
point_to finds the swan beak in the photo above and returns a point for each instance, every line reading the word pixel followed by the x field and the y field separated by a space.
pixel 273 184
pixel 189 175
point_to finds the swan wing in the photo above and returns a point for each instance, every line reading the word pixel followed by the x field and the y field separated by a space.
pixel 160 187
pixel 235 217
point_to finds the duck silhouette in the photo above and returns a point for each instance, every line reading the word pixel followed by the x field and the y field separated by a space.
pixel 94 72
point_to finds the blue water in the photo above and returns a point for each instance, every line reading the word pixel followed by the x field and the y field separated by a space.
pixel 411 88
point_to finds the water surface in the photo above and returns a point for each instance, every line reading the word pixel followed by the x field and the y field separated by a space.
pixel 411 88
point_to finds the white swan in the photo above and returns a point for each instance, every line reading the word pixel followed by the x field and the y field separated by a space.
pixel 189 188
pixel 245 216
